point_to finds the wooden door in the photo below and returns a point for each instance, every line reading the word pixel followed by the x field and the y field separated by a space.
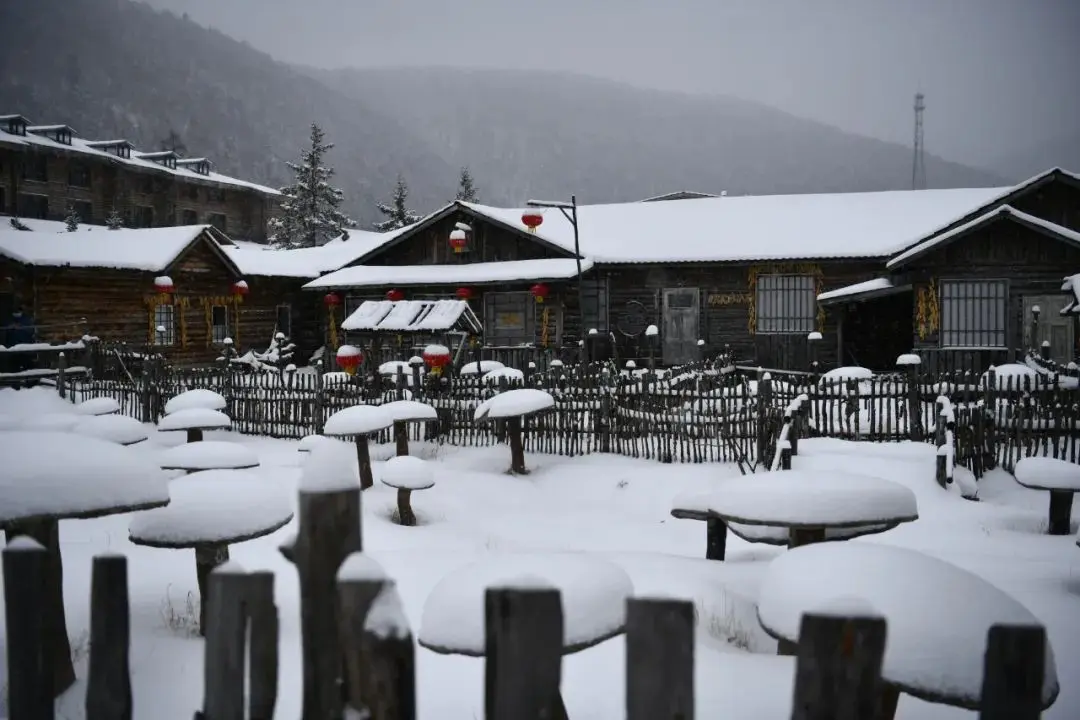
pixel 509 319
pixel 1053 327
pixel 681 312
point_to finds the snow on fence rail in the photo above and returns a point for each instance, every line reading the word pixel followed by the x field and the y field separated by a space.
pixel 358 648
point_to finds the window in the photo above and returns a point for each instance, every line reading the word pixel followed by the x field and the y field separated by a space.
pixel 84 210
pixel 189 217
pixel 219 324
pixel 218 220
pixel 216 195
pixel 973 313
pixel 164 325
pixel 36 168
pixel 142 216
pixel 283 320
pixel 33 206
pixel 78 175
pixel 786 304
pixel 594 306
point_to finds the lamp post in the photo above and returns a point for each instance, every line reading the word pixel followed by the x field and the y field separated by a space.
pixel 569 211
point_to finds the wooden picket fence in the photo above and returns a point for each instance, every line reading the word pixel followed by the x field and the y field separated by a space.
pixel 358 651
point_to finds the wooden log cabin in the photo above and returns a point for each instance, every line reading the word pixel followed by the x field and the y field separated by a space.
pixel 710 273
pixel 112 284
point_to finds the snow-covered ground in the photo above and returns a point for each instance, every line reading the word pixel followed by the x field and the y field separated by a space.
pixel 617 507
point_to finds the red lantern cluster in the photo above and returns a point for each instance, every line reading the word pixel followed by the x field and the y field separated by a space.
pixel 458 240
pixel 532 220
pixel 164 285
pixel 394 295
pixel 331 300
pixel 436 357
pixel 539 292
pixel 240 288
pixel 349 358
pixel 463 293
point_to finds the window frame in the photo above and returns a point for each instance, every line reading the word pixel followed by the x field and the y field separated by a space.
pixel 22 210
pixel 187 214
pixel 167 338
pixel 596 306
pixel 1000 332
pixel 35 161
pixel 224 226
pixel 84 205
pixel 77 172
pixel 219 331
pixel 788 319
pixel 134 221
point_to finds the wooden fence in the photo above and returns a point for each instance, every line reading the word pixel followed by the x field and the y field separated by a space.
pixel 358 651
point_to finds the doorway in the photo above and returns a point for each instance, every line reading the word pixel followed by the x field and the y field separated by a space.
pixel 680 333
pixel 1053 327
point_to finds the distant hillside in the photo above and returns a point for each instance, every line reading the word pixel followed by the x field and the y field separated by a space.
pixel 550 134
pixel 1023 162
pixel 117 68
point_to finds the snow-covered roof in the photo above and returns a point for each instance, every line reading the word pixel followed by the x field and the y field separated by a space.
pixel 150 249
pixel 753 227
pixel 466 273
pixel 257 259
pixel 87 147
pixel 877 286
pixel 412 316
pixel 1001 212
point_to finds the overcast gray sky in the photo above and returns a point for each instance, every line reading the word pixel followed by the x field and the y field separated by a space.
pixel 997 74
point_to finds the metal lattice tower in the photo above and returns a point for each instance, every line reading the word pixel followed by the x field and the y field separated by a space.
pixel 918 163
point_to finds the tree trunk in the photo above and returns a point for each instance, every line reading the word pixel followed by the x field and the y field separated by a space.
pixel 207 557
pixel 401 437
pixel 194 435
pixel 404 508
pixel 363 461
pixel 517 446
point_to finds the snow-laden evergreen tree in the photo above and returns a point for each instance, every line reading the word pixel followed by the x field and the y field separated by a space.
pixel 466 191
pixel 72 220
pixel 115 221
pixel 396 211
pixel 309 207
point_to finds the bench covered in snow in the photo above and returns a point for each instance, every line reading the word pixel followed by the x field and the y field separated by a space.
pixel 1061 478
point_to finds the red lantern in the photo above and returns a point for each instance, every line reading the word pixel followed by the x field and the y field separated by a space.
pixel 349 358
pixel 463 293
pixel 436 357
pixel 164 285
pixel 331 300
pixel 539 291
pixel 458 240
pixel 240 288
pixel 394 295
pixel 532 219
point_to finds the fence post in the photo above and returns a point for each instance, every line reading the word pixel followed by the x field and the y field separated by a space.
pixel 715 539
pixel 329 531
pixel 659 659
pixel 226 626
pixel 764 397
pixel 838 668
pixel 914 381
pixel 320 409
pixel 1035 312
pixel 263 648
pixel 795 428
pixel 387 649
pixel 1044 350
pixel 785 455
pixel 29 679
pixel 108 685
pixel 523 654
pixel 940 469
pixel 1013 673
pixel 360 580
pixel 61 371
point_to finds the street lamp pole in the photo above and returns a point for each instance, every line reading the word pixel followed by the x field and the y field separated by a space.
pixel 569 211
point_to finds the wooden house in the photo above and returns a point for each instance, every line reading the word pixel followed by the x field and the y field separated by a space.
pixel 972 291
pixel 743 272
pixel 176 291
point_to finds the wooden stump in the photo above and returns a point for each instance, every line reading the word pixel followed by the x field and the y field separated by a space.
pixel 405 513
pixel 207 557
pixel 363 462
pixel 659 659
pixel 108 687
pixel 401 437
pixel 838 671
pixel 517 446
pixel 29 687
pixel 715 539
pixel 194 435
pixel 1061 512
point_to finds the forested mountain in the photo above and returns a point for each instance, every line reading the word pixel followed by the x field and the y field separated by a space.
pixel 117 68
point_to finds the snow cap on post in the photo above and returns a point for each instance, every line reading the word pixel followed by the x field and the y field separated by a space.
pixel 330 467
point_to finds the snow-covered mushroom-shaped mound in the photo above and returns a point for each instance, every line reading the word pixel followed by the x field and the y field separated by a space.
pixel 51 422
pixel 199 398
pixel 310 442
pixel 209 511
pixel 194 421
pixel 481 367
pixel 509 375
pixel 938 615
pixel 594 593
pixel 407 474
pixel 358 422
pixel 1010 376
pixel 1061 478
pixel 836 380
pixel 404 412
pixel 512 406
pixel 209 455
pixel 119 429
pixel 98 406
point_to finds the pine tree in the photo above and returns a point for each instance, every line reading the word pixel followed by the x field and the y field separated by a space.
pixel 115 220
pixel 309 207
pixel 466 191
pixel 397 213
pixel 72 220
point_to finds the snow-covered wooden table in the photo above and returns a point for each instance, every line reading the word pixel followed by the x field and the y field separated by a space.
pixel 594 594
pixel 98 406
pixel 194 421
pixel 1061 478
pixel 119 429
pixel 199 398
pixel 809 506
pixel 938 615
pixel 404 412
pixel 52 476
pixel 358 422
pixel 407 475
pixel 513 406
pixel 211 510
pixel 209 455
